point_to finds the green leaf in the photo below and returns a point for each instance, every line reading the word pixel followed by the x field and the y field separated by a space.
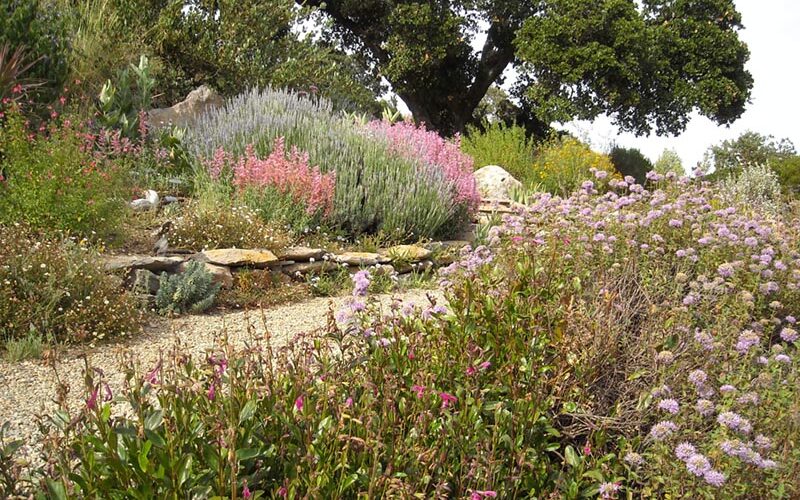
pixel 143 461
pixel 153 420
pixel 247 453
pixel 571 457
pixel 56 489
pixel 184 469
pixel 247 412
pixel 156 438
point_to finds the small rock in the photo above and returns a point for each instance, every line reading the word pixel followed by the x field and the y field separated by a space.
pixel 170 199
pixel 494 182
pixel 236 257
pixel 155 264
pixel 145 282
pixel 360 259
pixel 408 253
pixel 152 197
pixel 301 254
pixel 220 274
pixel 142 205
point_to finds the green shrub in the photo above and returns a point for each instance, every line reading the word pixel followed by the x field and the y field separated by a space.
pixel 58 289
pixel 788 170
pixel 121 102
pixel 204 226
pixel 41 30
pixel 24 348
pixel 630 162
pixel 505 145
pixel 99 42
pixel 193 290
pixel 54 182
pixel 375 189
pixel 669 161
pixel 562 164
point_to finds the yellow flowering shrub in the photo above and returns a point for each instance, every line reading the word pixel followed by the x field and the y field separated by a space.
pixel 563 163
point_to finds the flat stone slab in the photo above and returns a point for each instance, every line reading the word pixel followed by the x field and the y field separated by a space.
pixel 301 254
pixel 361 259
pixel 154 264
pixel 304 268
pixel 408 253
pixel 407 267
pixel 239 257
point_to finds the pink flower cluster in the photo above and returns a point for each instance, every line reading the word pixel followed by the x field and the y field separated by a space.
pixel 431 149
pixel 288 172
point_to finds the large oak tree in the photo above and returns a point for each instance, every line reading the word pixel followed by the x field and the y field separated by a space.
pixel 648 63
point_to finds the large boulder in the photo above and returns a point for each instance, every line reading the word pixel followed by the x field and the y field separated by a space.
pixel 495 183
pixel 185 113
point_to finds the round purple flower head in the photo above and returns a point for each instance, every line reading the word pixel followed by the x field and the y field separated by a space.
pixel 698 464
pixel 663 430
pixel 704 407
pixel 789 334
pixel 714 477
pixel 633 458
pixel 684 450
pixel 669 406
pixel 698 377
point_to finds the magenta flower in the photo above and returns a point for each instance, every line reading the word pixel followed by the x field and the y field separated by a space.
pixel 349 402
pixel 212 390
pixel 246 491
pixel 419 389
pixel 298 403
pixel 91 402
pixel 484 365
pixel 478 494
pixel 470 370
pixel 447 399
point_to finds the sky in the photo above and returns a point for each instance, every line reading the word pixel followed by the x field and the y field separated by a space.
pixel 772 32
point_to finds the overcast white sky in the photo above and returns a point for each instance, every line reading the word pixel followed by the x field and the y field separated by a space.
pixel 772 32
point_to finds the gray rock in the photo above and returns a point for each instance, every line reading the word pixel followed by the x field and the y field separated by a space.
pixel 129 262
pixel 494 182
pixel 142 205
pixel 301 254
pixel 361 259
pixel 170 199
pixel 145 282
pixel 303 268
pixel 185 113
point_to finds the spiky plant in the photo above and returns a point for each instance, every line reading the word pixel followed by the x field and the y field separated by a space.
pixel 13 65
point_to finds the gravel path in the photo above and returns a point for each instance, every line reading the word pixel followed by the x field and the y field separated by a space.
pixel 27 388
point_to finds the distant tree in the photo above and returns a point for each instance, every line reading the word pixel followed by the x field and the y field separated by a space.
pixel 630 161
pixel 750 148
pixel 669 161
pixel 647 63
pixel 236 44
